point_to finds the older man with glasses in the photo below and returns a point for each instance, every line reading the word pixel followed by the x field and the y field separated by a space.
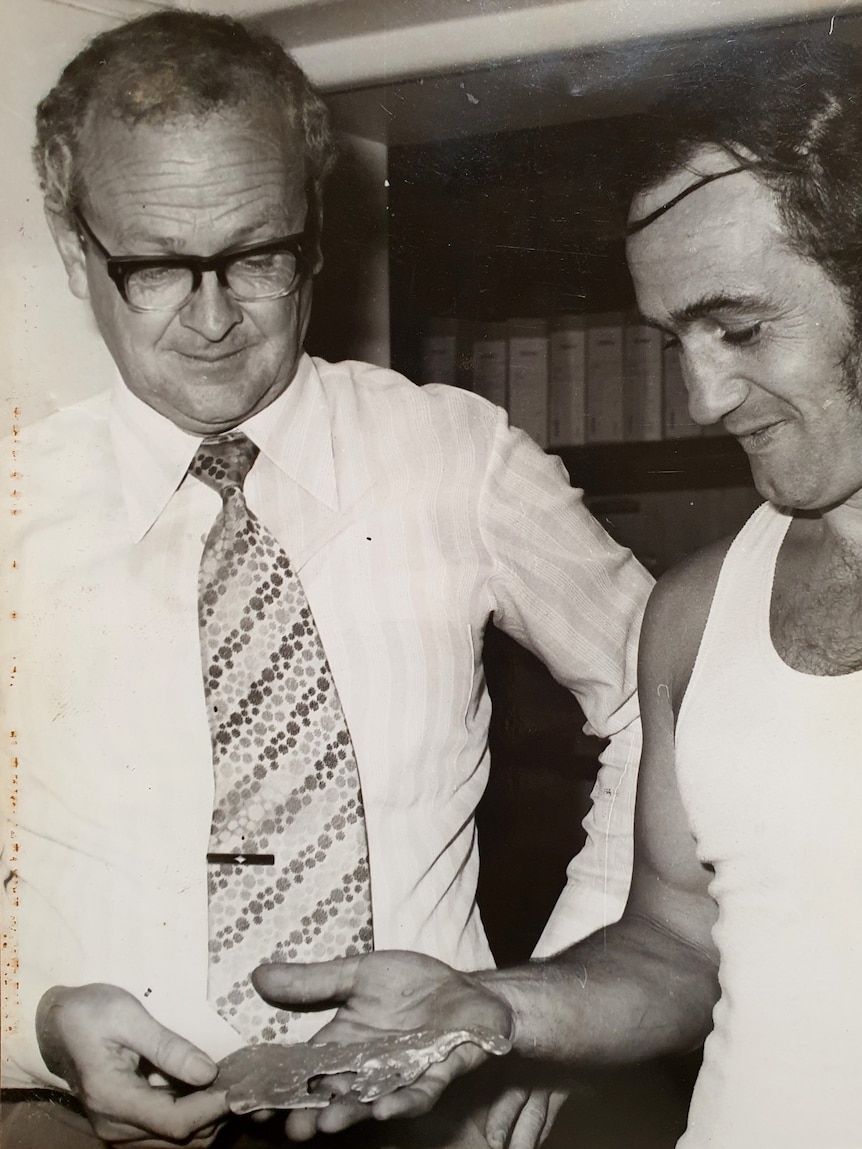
pixel 250 592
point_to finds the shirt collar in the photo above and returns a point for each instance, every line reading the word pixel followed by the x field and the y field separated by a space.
pixel 295 433
pixel 153 455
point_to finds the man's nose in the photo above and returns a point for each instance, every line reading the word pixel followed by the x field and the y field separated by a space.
pixel 212 311
pixel 714 388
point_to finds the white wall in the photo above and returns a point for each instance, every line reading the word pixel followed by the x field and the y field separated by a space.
pixel 50 352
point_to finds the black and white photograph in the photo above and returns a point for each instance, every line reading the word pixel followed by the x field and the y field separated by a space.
pixel 431 574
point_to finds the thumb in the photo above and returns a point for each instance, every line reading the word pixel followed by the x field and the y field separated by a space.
pixel 317 985
pixel 171 1054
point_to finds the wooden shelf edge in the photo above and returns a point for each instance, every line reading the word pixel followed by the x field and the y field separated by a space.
pixel 666 465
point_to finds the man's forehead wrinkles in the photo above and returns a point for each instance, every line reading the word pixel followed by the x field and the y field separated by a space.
pixel 178 229
pixel 193 202
pixel 203 168
pixel 150 208
pixel 184 178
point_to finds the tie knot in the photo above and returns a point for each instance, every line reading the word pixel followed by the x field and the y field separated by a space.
pixel 223 461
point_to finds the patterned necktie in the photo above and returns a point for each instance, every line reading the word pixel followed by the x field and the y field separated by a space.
pixel 288 868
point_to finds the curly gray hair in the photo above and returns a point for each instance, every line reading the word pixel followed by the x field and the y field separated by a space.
pixel 166 65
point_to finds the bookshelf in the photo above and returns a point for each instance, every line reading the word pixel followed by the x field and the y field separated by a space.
pixel 530 222
pixel 524 223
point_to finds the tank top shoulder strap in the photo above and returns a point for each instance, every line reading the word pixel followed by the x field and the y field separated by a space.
pixel 740 604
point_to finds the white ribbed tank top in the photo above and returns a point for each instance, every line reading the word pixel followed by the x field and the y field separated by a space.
pixel 769 763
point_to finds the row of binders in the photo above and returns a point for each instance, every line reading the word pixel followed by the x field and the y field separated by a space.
pixel 573 379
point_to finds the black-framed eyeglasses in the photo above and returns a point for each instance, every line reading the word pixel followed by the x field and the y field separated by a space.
pixel 250 274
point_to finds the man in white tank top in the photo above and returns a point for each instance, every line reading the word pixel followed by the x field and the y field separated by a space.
pixel 743 924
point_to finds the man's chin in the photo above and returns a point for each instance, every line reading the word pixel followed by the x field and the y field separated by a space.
pixel 209 402
pixel 794 493
pixel 211 422
pixel 218 416
pixel 220 413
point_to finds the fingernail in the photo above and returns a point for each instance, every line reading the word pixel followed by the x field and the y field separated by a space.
pixel 201 1067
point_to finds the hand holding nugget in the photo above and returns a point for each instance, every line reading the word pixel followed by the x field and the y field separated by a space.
pixel 386 993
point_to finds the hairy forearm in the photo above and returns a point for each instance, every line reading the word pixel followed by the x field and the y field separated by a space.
pixel 624 994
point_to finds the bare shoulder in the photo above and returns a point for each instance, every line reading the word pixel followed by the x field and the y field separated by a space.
pixel 670 885
pixel 676 616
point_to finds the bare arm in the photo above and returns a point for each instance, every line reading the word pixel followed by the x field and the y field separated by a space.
pixel 647 985
pixel 639 989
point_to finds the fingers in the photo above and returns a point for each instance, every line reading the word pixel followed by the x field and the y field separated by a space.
pixel 528 1131
pixel 178 1117
pixel 342 1113
pixel 261 1116
pixel 136 1140
pixel 301 1124
pixel 413 1100
pixel 344 1109
pixel 295 984
pixel 521 1118
pixel 170 1053
pixel 556 1101
pixel 502 1115
pixel 90 1029
pixel 127 1138
pixel 97 1035
pixel 420 1097
pixel 124 1109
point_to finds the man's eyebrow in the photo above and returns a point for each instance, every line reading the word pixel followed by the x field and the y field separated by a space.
pixel 717 302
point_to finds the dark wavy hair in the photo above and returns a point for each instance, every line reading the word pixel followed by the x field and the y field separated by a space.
pixel 167 65
pixel 791 111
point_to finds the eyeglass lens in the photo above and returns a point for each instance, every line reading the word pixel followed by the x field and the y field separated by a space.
pixel 255 276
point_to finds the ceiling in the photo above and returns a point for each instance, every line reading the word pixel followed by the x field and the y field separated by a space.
pixel 251 9
pixel 406 71
pixel 358 43
pixel 597 82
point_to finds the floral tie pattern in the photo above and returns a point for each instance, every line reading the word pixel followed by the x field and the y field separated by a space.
pixel 288 806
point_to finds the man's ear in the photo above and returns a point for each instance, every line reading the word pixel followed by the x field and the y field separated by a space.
pixel 316 259
pixel 314 254
pixel 71 251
